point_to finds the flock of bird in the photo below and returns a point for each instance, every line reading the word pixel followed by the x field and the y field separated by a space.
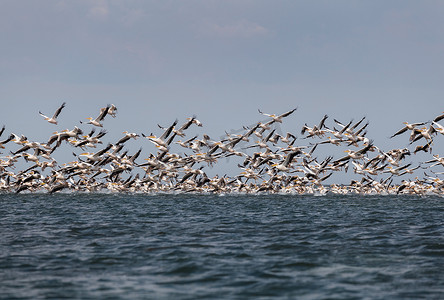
pixel 269 162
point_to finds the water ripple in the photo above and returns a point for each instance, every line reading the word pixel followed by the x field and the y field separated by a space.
pixel 203 246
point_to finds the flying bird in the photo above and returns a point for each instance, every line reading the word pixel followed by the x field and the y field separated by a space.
pixel 406 127
pixel 278 118
pixel 96 122
pixel 53 120
pixel 112 111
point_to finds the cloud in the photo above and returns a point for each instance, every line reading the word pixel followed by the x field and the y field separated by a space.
pixel 238 29
pixel 99 9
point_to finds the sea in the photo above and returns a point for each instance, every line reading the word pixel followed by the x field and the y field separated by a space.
pixel 199 246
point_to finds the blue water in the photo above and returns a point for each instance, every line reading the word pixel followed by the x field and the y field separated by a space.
pixel 234 247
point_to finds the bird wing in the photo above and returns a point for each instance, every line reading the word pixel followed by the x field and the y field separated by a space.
pixel 40 113
pixel 436 124
pixel 93 130
pixel 10 138
pixel 288 113
pixel 269 136
pixel 365 149
pixel 168 131
pixel 325 177
pixel 290 157
pixel 402 130
pixel 123 140
pixel 321 124
pixel 187 124
pixel 345 127
pixel 339 123
pixel 250 132
pixel 136 155
pixel 357 124
pixel 263 113
pixel 103 112
pixel 403 167
pixel 416 137
pixel 360 130
pixel 439 118
pixel 191 139
pixel 101 134
pixel 59 110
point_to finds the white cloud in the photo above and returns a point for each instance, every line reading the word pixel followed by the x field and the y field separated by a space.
pixel 99 9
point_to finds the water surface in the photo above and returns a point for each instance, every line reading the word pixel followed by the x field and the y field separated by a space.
pixel 208 246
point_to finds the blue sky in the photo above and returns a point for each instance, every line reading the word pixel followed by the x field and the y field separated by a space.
pixel 221 60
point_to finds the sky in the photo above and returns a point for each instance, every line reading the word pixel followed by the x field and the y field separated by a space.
pixel 221 61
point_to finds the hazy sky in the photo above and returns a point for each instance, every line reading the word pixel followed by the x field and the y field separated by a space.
pixel 221 60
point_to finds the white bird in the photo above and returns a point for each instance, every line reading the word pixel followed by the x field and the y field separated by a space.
pixel 278 118
pixel 53 120
pixel 439 128
pixel 96 121
pixel 112 111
